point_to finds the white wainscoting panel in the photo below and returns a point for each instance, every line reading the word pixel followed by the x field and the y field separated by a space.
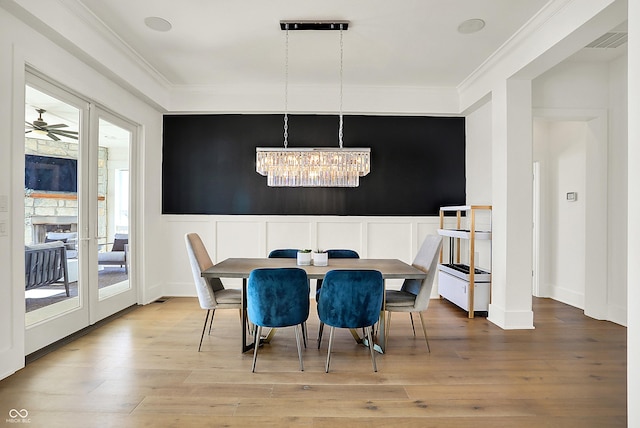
pixel 429 227
pixel 178 277
pixel 340 233
pixel 390 241
pixel 238 239
pixel 254 236
pixel 283 233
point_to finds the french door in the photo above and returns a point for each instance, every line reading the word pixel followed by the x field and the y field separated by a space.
pixel 77 195
pixel 112 235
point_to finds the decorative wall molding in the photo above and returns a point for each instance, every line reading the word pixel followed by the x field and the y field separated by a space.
pixel 255 236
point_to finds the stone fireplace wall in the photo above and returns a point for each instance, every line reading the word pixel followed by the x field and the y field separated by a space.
pixel 62 205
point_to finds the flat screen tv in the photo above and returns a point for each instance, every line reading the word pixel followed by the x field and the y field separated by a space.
pixel 51 174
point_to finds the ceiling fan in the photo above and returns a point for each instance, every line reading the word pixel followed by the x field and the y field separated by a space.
pixel 39 126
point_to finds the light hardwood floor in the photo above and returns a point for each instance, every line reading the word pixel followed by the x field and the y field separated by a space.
pixel 143 370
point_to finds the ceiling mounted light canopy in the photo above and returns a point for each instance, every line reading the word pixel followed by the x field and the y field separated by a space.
pixel 316 166
pixel 314 25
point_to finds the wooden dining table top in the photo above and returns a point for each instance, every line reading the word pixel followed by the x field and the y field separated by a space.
pixel 242 267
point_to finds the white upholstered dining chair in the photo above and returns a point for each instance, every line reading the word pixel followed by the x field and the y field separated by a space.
pixel 414 295
pixel 211 292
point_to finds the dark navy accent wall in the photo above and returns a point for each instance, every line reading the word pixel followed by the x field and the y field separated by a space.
pixel 208 167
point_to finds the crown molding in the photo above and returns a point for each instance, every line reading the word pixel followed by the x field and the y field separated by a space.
pixel 315 99
pixel 93 43
pixel 510 46
pixel 560 29
pixel 81 12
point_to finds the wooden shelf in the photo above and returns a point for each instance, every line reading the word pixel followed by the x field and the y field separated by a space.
pixel 465 285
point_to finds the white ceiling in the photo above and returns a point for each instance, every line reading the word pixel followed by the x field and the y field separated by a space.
pixel 388 43
pixel 404 43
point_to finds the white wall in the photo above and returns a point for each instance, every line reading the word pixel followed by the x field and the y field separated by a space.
pixel 580 91
pixel 618 191
pixel 633 244
pixel 478 155
pixel 255 236
pixel 572 85
pixel 589 92
pixel 478 175
pixel 564 159
pixel 20 45
pixel 11 324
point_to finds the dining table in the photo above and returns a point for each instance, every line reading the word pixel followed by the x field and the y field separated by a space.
pixel 242 267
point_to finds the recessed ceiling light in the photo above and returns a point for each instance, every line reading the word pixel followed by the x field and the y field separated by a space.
pixel 157 24
pixel 471 26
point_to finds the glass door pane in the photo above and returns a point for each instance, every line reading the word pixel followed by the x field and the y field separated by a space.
pixel 51 233
pixel 113 209
pixel 115 264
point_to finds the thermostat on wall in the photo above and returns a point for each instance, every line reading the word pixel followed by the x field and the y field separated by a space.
pixel 572 196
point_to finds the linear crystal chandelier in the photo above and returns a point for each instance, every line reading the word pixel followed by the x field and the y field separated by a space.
pixel 312 166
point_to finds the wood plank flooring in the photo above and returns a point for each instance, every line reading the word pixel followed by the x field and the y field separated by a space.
pixel 143 369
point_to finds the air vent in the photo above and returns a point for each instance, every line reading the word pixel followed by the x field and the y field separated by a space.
pixel 609 40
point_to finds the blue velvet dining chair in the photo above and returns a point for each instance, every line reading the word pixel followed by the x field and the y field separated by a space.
pixel 277 297
pixel 287 253
pixel 343 254
pixel 283 253
pixel 351 299
pixel 333 254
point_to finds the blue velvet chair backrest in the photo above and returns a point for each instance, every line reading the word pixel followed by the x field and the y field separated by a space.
pixel 278 297
pixel 342 254
pixel 284 253
pixel 351 298
pixel 337 254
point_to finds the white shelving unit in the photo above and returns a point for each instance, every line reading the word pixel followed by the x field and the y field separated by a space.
pixel 464 284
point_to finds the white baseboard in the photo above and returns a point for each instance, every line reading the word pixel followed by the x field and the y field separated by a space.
pixel 617 314
pixel 567 296
pixel 512 320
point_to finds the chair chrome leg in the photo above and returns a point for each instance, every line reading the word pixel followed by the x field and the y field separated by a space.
pixel 304 334
pixel 204 327
pixel 256 344
pixel 296 329
pixel 412 326
pixel 424 329
pixel 373 353
pixel 320 330
pixel 329 350
pixel 387 327
pixel 213 312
